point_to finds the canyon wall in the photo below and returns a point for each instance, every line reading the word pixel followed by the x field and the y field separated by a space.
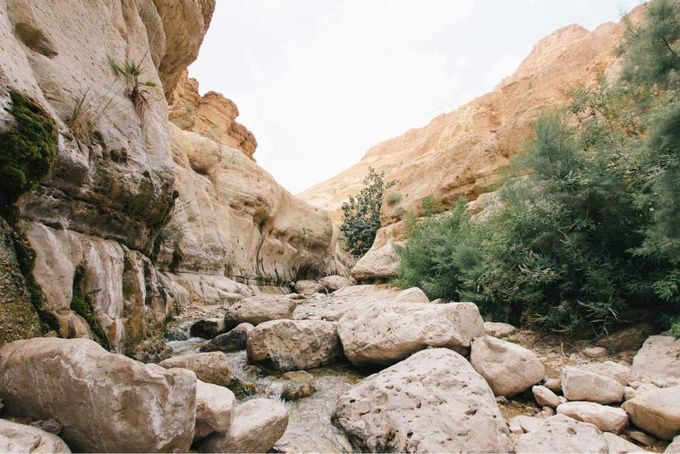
pixel 462 152
pixel 136 218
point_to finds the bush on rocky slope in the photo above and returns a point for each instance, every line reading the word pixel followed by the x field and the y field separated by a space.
pixel 591 221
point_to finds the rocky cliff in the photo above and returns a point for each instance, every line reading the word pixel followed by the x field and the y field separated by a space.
pixel 462 152
pixel 135 218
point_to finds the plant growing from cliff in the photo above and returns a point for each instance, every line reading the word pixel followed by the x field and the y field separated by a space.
pixel 138 90
pixel 361 213
pixel 81 304
pixel 27 149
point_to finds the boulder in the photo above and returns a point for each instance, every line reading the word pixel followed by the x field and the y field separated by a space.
pixel 524 424
pixel 627 339
pixel 256 426
pixel 605 418
pixel 674 447
pixel 104 401
pixel 294 344
pixel 20 438
pixel 581 384
pixel 209 367
pixel 387 333
pixel 305 287
pixel 333 283
pixel 232 341
pixel 258 309
pixel 656 412
pixel 299 384
pixel 412 295
pixel 214 409
pixel 434 401
pixel 658 357
pixel 619 372
pixel 619 445
pixel 554 384
pixel 497 329
pixel 563 434
pixel 207 329
pixel 508 368
pixel 545 397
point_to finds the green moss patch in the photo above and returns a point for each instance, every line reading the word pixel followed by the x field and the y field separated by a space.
pixel 81 304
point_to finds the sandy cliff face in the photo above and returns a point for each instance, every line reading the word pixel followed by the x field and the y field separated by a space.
pixel 211 115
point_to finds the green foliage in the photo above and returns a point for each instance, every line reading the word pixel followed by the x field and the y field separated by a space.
pixel 590 224
pixel 361 214
pixel 138 90
pixel 81 304
pixel 27 149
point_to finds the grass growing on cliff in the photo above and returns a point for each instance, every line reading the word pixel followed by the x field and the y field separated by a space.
pixel 27 148
pixel 590 229
pixel 138 89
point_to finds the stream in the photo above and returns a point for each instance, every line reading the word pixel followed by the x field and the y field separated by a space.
pixel 309 422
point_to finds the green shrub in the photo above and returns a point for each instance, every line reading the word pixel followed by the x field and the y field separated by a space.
pixel 393 198
pixel 27 149
pixel 361 214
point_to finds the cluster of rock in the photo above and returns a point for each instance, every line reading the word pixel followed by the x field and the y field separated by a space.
pixel 106 402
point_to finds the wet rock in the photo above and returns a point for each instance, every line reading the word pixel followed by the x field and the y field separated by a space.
pixel 619 445
pixel 595 352
pixel 545 397
pixel 214 409
pixel 209 367
pixel 207 329
pixel 232 341
pixel 258 309
pixel 388 332
pixel 333 283
pixel 434 401
pixel 497 329
pixel 626 339
pixel 412 295
pixel 242 388
pixel 581 384
pixel 299 384
pixel 308 287
pixel 104 401
pixel 20 438
pixel 256 426
pixel 565 435
pixel 656 412
pixel 508 368
pixel 294 344
pixel 658 357
pixel 605 418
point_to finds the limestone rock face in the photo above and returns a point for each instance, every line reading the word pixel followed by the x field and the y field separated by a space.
pixel 256 426
pixel 214 409
pixel 211 115
pixel 27 439
pixel 657 411
pixel 658 357
pixel 288 345
pixel 259 309
pixel 563 434
pixel 212 367
pixel 581 384
pixel 93 386
pixel 434 401
pixel 605 418
pixel 508 368
pixel 386 333
pixel 235 220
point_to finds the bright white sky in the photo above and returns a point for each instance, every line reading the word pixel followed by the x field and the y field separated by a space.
pixel 320 81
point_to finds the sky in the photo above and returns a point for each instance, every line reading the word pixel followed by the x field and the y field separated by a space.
pixel 320 81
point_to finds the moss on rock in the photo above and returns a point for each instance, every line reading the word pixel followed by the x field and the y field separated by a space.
pixel 81 304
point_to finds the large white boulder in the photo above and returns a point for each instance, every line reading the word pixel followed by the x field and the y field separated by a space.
pixel 294 344
pixel 214 408
pixel 659 357
pixel 508 368
pixel 656 411
pixel 210 367
pixel 105 402
pixel 256 426
pixel 605 418
pixel 563 434
pixel 581 384
pixel 412 295
pixel 20 438
pixel 434 401
pixel 386 333
pixel 258 309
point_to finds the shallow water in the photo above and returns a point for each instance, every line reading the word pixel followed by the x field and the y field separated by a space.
pixel 309 421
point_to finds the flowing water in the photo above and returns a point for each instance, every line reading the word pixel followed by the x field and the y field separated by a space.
pixel 309 422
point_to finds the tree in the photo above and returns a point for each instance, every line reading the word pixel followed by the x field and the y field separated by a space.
pixel 361 213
